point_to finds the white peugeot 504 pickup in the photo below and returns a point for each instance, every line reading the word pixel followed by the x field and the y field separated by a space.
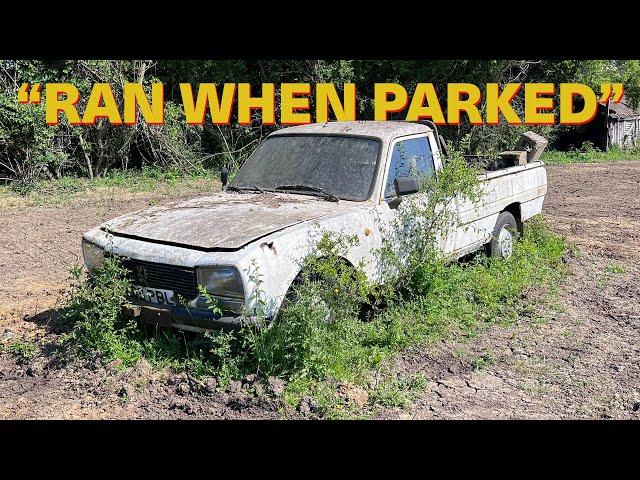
pixel 345 177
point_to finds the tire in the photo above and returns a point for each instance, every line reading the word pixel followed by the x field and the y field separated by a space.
pixel 292 297
pixel 504 236
pixel 327 305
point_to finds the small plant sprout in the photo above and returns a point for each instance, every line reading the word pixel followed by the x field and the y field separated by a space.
pixel 214 305
pixel 22 350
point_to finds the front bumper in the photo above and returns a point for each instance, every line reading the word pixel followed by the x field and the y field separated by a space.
pixel 183 318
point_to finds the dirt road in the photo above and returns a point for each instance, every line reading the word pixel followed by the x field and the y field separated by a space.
pixel 582 362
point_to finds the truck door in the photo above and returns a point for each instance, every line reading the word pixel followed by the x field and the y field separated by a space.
pixel 410 156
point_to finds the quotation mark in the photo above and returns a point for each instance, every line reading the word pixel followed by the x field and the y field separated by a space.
pixel 30 94
pixel 611 91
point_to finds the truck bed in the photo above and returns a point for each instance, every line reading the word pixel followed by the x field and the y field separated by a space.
pixel 521 188
pixel 489 174
pixel 487 164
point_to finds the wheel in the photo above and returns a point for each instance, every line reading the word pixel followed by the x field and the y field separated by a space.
pixel 319 292
pixel 316 300
pixel 504 236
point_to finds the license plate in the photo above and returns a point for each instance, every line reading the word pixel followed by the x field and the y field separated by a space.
pixel 155 295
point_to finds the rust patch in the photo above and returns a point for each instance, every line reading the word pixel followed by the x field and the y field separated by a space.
pixel 270 246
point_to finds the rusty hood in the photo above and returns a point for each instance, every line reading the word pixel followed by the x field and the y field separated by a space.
pixel 225 221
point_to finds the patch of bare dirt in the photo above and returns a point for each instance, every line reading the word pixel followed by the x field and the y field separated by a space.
pixel 37 389
pixel 583 361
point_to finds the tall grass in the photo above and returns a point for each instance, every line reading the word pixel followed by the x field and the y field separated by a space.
pixel 589 154
pixel 69 187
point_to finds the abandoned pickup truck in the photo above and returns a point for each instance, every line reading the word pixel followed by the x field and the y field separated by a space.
pixel 346 177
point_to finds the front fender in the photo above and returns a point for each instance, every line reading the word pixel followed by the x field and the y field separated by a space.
pixel 271 265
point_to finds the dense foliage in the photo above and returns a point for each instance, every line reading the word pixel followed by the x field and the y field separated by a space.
pixel 30 150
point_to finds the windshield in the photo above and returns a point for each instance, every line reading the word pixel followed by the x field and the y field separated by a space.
pixel 340 165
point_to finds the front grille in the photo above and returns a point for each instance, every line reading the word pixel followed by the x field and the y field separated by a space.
pixel 182 280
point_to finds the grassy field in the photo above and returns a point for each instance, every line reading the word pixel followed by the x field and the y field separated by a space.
pixel 69 189
pixel 591 155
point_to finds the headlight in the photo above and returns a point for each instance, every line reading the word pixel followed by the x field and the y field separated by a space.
pixel 221 281
pixel 93 255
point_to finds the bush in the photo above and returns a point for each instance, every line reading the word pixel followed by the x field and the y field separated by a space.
pixel 29 149
pixel 94 308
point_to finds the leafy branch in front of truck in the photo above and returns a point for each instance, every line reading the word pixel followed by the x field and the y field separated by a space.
pixel 411 242
pixel 213 304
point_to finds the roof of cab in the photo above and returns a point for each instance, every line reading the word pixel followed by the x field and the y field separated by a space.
pixel 386 131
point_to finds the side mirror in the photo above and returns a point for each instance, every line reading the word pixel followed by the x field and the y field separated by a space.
pixel 224 177
pixel 406 185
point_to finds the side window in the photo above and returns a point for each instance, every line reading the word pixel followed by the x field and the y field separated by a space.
pixel 409 158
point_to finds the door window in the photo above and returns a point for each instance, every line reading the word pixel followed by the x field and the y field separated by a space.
pixel 409 158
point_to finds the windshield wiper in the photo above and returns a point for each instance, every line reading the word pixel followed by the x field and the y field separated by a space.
pixel 245 188
pixel 321 192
